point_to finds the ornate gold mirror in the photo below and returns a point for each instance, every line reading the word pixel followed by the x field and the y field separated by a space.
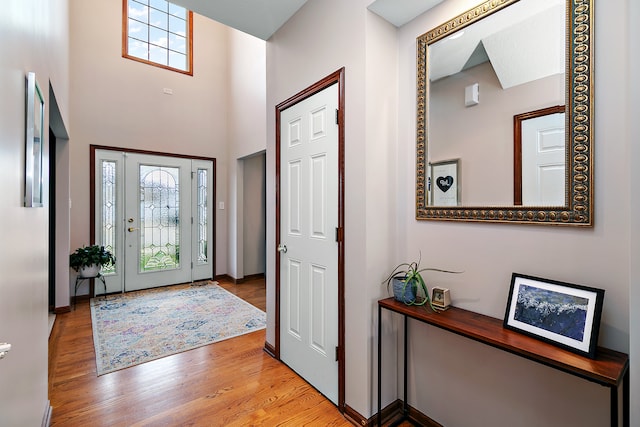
pixel 486 75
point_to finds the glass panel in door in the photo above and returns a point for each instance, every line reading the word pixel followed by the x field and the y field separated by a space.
pixel 159 218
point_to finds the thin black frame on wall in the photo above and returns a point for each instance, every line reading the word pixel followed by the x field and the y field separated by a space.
pixel 563 314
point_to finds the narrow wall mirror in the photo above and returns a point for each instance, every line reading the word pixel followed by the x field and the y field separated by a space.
pixel 481 79
pixel 34 132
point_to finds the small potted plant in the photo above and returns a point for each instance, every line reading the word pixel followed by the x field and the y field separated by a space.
pixel 88 260
pixel 407 282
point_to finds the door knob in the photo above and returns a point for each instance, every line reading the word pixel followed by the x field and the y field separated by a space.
pixel 132 229
pixel 282 248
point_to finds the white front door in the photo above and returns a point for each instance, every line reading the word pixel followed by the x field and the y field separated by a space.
pixel 308 247
pixel 154 213
pixel 543 161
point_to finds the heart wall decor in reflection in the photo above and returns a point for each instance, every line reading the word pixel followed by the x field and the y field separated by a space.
pixel 444 183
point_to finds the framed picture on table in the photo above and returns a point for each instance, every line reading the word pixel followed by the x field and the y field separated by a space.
pixel 560 313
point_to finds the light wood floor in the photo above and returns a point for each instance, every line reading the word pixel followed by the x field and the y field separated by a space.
pixel 230 383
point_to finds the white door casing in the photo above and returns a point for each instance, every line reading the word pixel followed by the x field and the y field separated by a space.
pixel 309 211
pixel 543 160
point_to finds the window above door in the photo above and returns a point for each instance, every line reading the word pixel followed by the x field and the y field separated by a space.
pixel 158 33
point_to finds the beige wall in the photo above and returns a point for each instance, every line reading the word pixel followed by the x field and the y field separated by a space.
pixel 633 111
pixel 118 102
pixel 34 36
pixel 489 384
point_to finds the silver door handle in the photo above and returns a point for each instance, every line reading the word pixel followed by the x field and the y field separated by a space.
pixel 131 229
pixel 282 248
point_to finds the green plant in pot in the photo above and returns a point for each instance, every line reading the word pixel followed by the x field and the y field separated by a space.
pixel 88 260
pixel 407 283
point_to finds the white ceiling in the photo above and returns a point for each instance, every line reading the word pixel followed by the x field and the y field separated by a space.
pixel 523 43
pixel 262 18
pixel 399 12
pixel 494 40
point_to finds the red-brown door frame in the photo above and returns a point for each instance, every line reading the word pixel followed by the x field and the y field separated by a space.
pixel 334 78
pixel 92 195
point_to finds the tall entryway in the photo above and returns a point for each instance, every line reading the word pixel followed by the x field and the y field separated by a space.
pixel 310 261
pixel 155 213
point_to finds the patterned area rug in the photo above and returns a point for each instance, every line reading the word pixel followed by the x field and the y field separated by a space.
pixel 136 327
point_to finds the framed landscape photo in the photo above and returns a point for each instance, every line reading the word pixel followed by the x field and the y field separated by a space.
pixel 563 314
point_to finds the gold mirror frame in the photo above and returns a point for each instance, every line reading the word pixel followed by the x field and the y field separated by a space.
pixel 579 87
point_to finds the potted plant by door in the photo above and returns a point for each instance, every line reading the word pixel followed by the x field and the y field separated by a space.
pixel 409 286
pixel 89 260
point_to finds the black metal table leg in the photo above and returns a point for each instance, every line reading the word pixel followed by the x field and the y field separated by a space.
pixel 379 366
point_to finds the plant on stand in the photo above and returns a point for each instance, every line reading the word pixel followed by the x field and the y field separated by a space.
pixel 89 260
pixel 407 283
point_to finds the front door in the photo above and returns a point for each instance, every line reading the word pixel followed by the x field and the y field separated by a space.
pixel 154 214
pixel 309 215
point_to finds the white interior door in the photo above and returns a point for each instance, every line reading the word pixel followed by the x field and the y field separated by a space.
pixel 154 213
pixel 309 219
pixel 543 161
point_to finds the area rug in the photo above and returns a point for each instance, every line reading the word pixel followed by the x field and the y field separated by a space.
pixel 137 327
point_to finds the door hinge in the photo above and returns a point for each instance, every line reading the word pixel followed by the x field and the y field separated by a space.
pixel 337 353
pixel 192 265
pixel 339 234
pixel 337 116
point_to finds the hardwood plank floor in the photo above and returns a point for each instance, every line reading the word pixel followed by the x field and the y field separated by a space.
pixel 230 383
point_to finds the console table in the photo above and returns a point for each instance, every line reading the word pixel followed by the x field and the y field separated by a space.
pixel 610 368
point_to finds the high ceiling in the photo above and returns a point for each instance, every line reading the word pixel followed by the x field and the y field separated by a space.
pixel 262 18
pixel 497 41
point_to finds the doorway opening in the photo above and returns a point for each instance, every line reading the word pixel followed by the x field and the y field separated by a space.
pixel 253 217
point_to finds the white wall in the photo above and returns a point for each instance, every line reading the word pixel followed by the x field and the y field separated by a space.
pixel 632 108
pixel 475 377
pixel 34 36
pixel 120 102
pixel 380 145
pixel 247 121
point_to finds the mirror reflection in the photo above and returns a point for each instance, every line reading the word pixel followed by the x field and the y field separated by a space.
pixel 481 77
pixel 539 157
pixel 487 74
